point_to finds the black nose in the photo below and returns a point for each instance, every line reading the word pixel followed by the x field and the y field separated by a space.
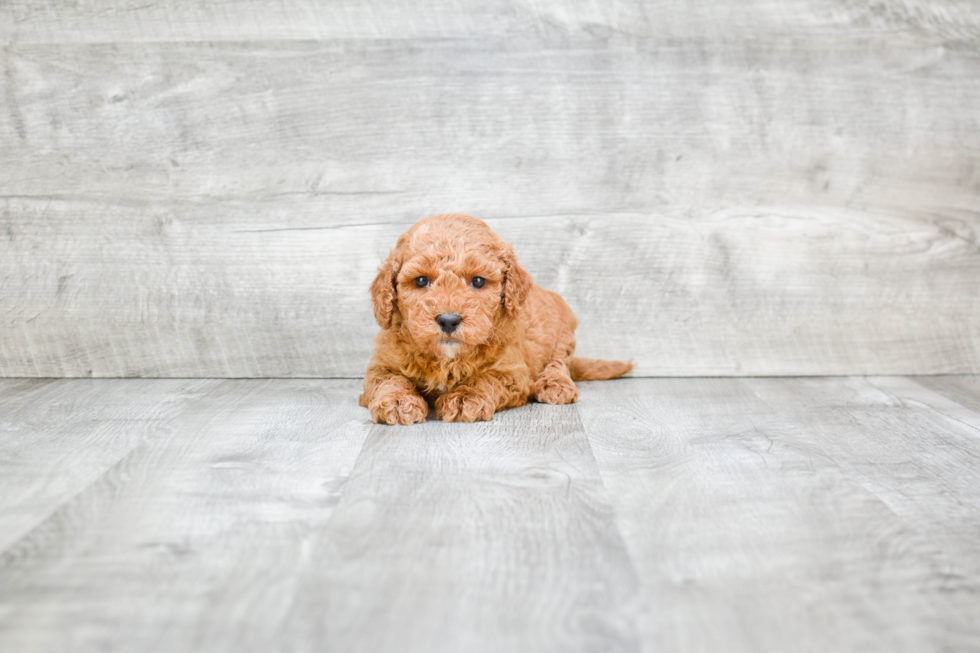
pixel 448 322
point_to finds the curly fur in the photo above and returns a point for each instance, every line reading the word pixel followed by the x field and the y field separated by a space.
pixel 515 341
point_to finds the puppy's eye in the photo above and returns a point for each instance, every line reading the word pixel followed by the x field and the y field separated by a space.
pixel 421 282
pixel 478 282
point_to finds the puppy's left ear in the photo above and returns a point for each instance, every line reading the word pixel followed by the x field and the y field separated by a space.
pixel 383 292
pixel 517 281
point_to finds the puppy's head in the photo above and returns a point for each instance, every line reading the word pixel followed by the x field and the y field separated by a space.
pixel 447 283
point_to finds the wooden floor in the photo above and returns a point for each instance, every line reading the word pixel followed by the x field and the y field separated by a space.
pixel 750 514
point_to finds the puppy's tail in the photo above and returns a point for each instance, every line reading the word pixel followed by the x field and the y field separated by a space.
pixel 593 369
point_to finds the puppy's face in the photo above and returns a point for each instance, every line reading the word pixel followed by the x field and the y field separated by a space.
pixel 449 300
pixel 447 283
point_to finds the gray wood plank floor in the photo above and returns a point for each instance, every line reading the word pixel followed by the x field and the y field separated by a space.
pixel 740 514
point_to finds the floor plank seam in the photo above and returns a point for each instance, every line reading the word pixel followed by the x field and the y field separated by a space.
pixel 133 451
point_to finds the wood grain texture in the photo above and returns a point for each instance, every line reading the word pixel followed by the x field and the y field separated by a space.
pixel 522 127
pixel 795 204
pixel 497 537
pixel 172 20
pixel 913 391
pixel 726 293
pixel 793 514
pixel 964 390
pixel 194 541
pixel 835 514
pixel 242 531
pixel 58 437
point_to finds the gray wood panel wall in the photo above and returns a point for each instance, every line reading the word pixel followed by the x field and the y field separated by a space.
pixel 717 188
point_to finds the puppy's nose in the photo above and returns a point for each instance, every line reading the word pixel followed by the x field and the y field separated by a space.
pixel 448 322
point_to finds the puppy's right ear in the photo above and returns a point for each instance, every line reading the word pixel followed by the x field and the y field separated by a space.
pixel 383 290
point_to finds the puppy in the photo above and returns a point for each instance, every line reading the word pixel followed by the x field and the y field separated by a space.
pixel 464 328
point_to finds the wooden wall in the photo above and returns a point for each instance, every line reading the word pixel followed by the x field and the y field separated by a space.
pixel 722 187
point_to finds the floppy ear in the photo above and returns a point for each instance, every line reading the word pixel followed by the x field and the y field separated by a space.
pixel 517 282
pixel 383 293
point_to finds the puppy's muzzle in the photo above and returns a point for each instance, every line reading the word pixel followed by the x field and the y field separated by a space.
pixel 448 322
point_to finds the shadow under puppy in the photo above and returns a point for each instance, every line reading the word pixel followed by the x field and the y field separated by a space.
pixel 465 328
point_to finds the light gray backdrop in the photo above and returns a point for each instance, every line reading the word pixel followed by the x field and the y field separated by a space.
pixel 723 187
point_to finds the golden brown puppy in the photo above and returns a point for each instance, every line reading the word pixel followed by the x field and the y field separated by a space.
pixel 464 327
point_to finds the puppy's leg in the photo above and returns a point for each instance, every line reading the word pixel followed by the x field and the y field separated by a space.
pixel 481 396
pixel 392 399
pixel 554 384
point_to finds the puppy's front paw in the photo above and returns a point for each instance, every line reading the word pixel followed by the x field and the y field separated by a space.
pixel 399 408
pixel 555 389
pixel 464 407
